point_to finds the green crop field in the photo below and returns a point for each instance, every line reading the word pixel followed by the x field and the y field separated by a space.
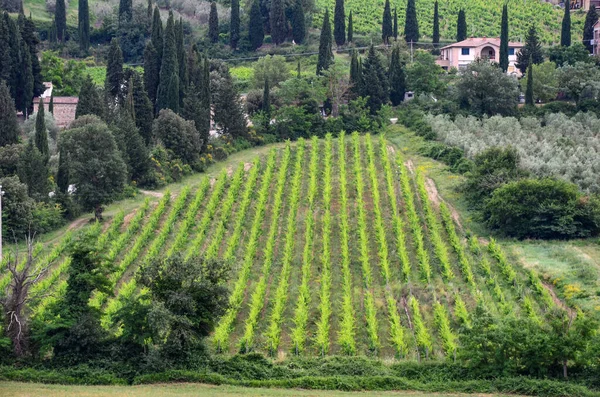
pixel 339 246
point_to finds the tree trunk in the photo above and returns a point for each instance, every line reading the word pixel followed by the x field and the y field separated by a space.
pixel 98 213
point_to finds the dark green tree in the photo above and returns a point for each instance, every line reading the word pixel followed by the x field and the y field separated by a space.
pixel 169 70
pixel 503 59
pixel 157 36
pixel 41 134
pixel 350 28
pixel 532 50
pixel 325 53
pixel 60 20
pixel 565 32
pixel 339 23
pixel 588 28
pixel 375 82
pixel 144 111
pixel 9 128
pixel 529 90
pixel 133 149
pixel 298 23
pixel 89 100
pixel 436 26
pixel 461 26
pixel 125 10
pixel 256 33
pixel 278 21
pixel 14 72
pixel 194 110
pixel 51 104
pixel 29 35
pixel 395 24
pixel 5 54
pixel 228 108
pixel 265 11
pixel 151 71
pixel 397 78
pixel 266 105
pixel 182 62
pixel 234 24
pixel 83 19
pixel 33 171
pixel 25 80
pixel 213 24
pixel 411 25
pixel 355 75
pixel 387 27
pixel 173 94
pixel 178 135
pixel 62 176
pixel 114 73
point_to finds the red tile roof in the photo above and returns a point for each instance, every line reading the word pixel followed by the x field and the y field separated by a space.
pixel 479 41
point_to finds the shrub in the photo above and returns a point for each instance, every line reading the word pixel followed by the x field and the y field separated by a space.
pixel 177 135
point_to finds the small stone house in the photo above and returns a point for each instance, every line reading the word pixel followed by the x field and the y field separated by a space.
pixel 64 106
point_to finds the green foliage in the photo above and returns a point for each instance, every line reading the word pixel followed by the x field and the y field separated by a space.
pixel 529 91
pixel 436 25
pixel 90 102
pixel 9 129
pixel 350 28
pixel 579 81
pixel 234 24
pixel 325 53
pixel 339 23
pixel 423 75
pixel 461 26
pixel 397 78
pixel 60 20
pixel 569 55
pixel 277 21
pixel 387 29
pixel 588 29
pixel 169 71
pixel 565 32
pixel 503 56
pixel 177 135
pixel 67 77
pixel 33 171
pixel 531 53
pixel 213 23
pixel 83 20
pixel 114 72
pixel 545 84
pixel 269 68
pixel 375 83
pixel 256 33
pixel 41 134
pixel 411 25
pixel 227 107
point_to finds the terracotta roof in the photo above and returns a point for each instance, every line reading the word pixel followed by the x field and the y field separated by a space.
pixel 479 41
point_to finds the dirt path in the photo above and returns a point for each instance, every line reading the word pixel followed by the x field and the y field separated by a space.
pixel 151 193
pixel 77 224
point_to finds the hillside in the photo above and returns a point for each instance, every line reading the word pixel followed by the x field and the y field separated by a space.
pixel 338 245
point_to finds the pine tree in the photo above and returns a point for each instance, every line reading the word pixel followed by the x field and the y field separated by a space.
pixel 169 70
pixel 395 24
pixel 9 128
pixel 436 26
pixel 213 23
pixel 461 26
pixel 387 28
pixel 411 25
pixel 51 104
pixel 588 29
pixel 156 36
pixel 60 20
pixel 62 176
pixel 228 109
pixel 89 100
pixel 375 82
pixel 529 91
pixel 83 18
pixel 503 60
pixel 151 71
pixel 125 10
pixel 565 33
pixel 278 22
pixel 114 73
pixel 325 54
pixel 298 23
pixel 256 33
pixel 350 28
pixel 33 171
pixel 397 78
pixel 234 24
pixel 339 23
pixel 41 134
pixel 531 50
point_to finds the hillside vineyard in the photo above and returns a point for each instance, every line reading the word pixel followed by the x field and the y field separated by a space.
pixel 338 246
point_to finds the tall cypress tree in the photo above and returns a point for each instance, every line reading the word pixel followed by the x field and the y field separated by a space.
pixel 125 10
pixel 565 33
pixel 181 61
pixel 532 50
pixel 89 100
pixel 350 28
pixel 411 25
pixel 51 104
pixel 503 61
pixel 60 20
pixel 298 23
pixel 461 26
pixel 375 82
pixel 62 176
pixel 339 23
pixel 397 78
pixel 33 171
pixel 234 24
pixel 387 28
pixel 436 26
pixel 5 55
pixel 325 53
pixel 29 35
pixel 278 22
pixel 156 36
pixel 529 90
pixel 144 111
pixel 114 72
pixel 41 135
pixel 83 19
pixel 395 24
pixel 169 70
pixel 265 11
pixel 355 75
pixel 26 82
pixel 9 128
pixel 149 12
pixel 151 71
pixel 213 23
pixel 256 33
pixel 588 28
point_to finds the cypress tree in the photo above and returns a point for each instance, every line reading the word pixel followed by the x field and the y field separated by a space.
pixel 395 24
pixel 588 28
pixel 151 71
pixel 350 28
pixel 278 22
pixel 143 108
pixel 325 54
pixel 60 20
pixel 62 176
pixel 149 11
pixel 33 171
pixel 375 82
pixel 114 72
pixel 503 60
pixel 129 103
pixel 89 100
pixel 213 23
pixel 168 70
pixel 461 26
pixel 125 10
pixel 256 33
pixel 298 23
pixel 339 23
pixel 436 26
pixel 15 60
pixel 565 33
pixel 25 80
pixel 234 24
pixel 9 128
pixel 5 55
pixel 51 104
pixel 265 11
pixel 397 78
pixel 205 99
pixel 529 91
pixel 387 28
pixel 411 25
pixel 532 50
pixel 41 135
pixel 298 70
pixel 29 35
pixel 83 20
pixel 52 33
pixel 173 94
pixel 156 36
pixel 355 75
pixel 182 62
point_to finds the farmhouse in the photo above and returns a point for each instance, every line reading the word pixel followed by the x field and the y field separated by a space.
pixel 64 106
pixel 459 55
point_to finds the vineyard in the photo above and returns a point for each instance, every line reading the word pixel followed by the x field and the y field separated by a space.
pixel 338 246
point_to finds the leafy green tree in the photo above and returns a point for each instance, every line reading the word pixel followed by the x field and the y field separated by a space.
pixel 424 75
pixel 298 23
pixel 234 24
pixel 60 20
pixel 569 55
pixel 89 100
pixel 339 23
pixel 545 84
pixel 17 206
pixel 33 172
pixel 177 135
pixel 41 134
pixel 256 32
pixel 168 71
pixel 387 28
pixel 529 91
pixel 579 81
pixel 157 35
pixel 213 24
pixel 325 53
pixel 125 10
pixel 151 71
pixel 350 28
pixel 503 58
pixel 375 82
pixel 9 129
pixel 397 78
pixel 532 50
pixel 95 165
pixel 411 24
pixel 83 20
pixel 565 32
pixel 114 73
pixel 227 106
pixel 272 68
pixel 461 26
pixel 278 21
pixel 588 28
